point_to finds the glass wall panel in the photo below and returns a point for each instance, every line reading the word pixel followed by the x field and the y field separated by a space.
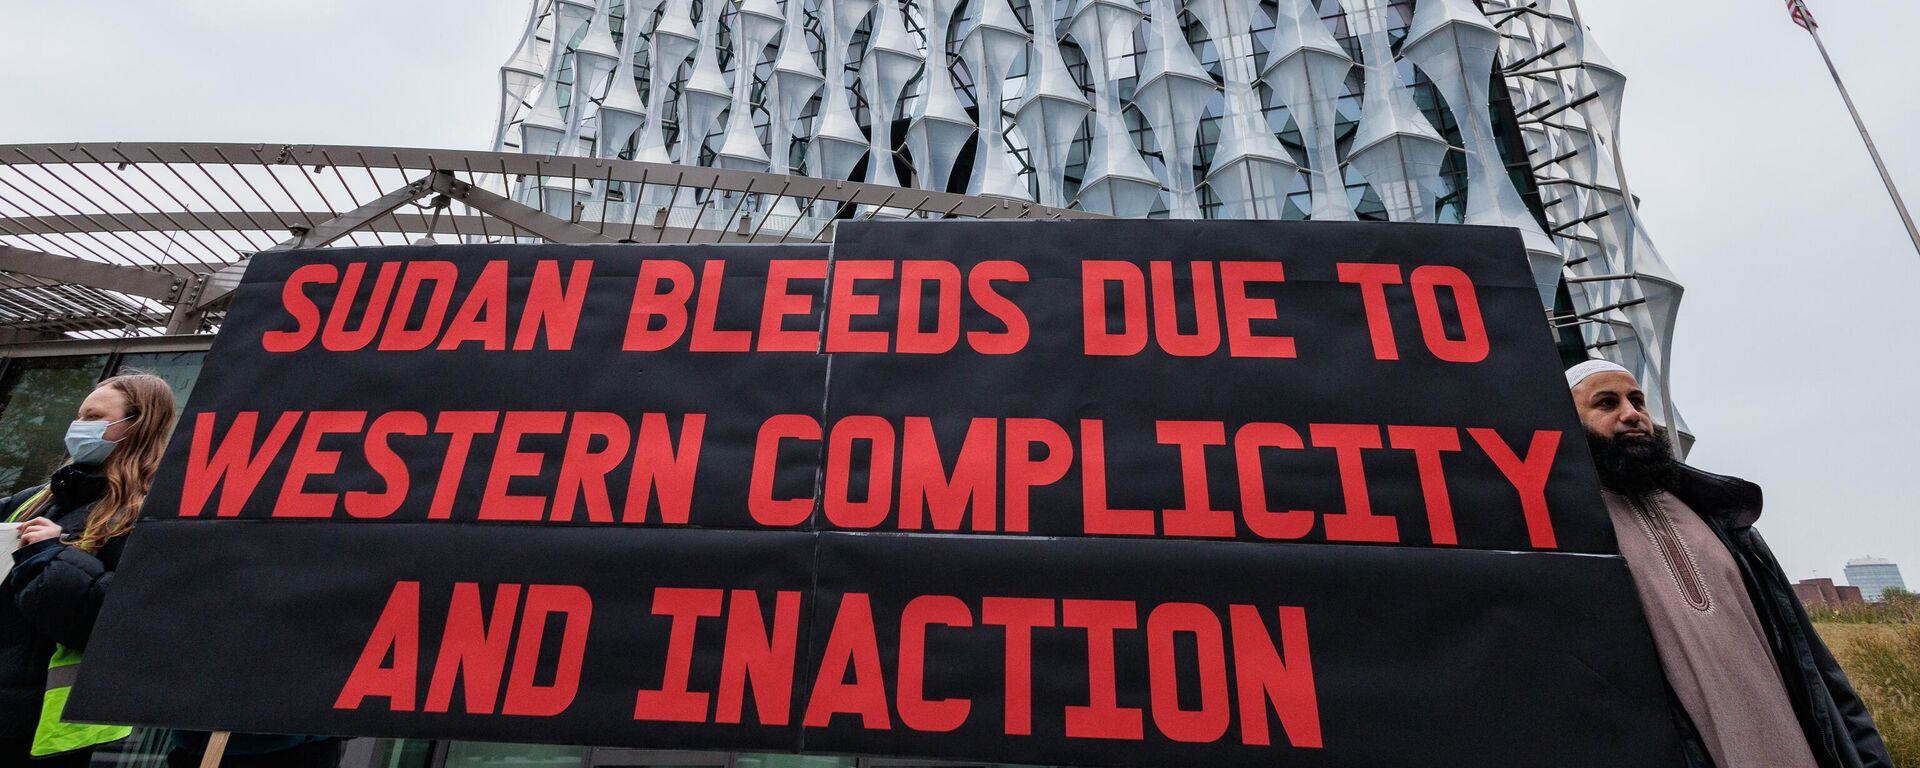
pixel 792 761
pixel 473 754
pixel 604 757
pixel 146 748
pixel 396 753
pixel 180 369
pixel 38 398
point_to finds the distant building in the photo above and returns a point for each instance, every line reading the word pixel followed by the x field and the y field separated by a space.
pixel 1823 593
pixel 1874 576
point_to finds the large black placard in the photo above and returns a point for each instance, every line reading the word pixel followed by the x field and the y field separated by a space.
pixel 1104 493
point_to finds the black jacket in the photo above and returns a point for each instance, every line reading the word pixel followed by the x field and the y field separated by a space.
pixel 1835 721
pixel 52 595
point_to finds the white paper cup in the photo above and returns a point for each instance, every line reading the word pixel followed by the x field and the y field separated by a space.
pixel 9 536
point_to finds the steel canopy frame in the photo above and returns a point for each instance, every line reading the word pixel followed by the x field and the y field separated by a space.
pixel 104 240
pixel 66 269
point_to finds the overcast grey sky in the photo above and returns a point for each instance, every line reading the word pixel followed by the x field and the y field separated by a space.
pixel 1796 338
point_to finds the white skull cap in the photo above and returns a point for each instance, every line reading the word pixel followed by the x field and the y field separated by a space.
pixel 1579 373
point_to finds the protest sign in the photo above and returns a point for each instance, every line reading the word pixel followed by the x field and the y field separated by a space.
pixel 1104 493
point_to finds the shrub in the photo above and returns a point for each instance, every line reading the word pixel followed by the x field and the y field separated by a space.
pixel 1895 607
pixel 1883 662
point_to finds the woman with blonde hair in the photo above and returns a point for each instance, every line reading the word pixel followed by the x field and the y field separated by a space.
pixel 73 529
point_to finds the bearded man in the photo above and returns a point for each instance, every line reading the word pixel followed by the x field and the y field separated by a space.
pixel 1752 683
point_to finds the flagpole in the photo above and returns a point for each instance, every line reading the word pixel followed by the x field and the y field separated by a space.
pixel 1900 205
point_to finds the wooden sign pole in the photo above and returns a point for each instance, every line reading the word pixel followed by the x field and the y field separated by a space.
pixel 216 749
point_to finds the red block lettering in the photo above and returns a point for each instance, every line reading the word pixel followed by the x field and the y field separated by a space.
pixel 851 646
pixel 474 649
pixel 1242 309
pixel 651 301
pixel 305 313
pixel 1373 280
pixel 845 305
pixel 336 337
pixel 234 467
pixel 441 275
pixel 674 702
pixel 1358 522
pixel 392 469
pixel 1263 676
pixel 1198 517
pixel 1018 616
pixel 767 510
pixel 396 634
pixel 1472 346
pixel 460 427
pixel 925 484
pixel 754 655
pixel 576 608
pixel 705 337
pixel 309 460
pixel 1132 338
pixel 1103 717
pixel 1097 517
pixel 482 317
pixel 584 470
pixel 781 303
pixel 1247 442
pixel 916 711
pixel 914 276
pixel 1528 476
pixel 1024 472
pixel 661 468
pixel 510 462
pixel 1166 318
pixel 840 508
pixel 1199 726
pixel 980 286
pixel 552 308
pixel 1427 443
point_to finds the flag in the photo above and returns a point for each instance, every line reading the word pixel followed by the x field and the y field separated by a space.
pixel 1801 15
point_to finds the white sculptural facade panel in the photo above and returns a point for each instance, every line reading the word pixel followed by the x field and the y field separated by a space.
pixel 1501 113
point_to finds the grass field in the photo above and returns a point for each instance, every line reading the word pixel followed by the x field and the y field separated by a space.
pixel 1883 661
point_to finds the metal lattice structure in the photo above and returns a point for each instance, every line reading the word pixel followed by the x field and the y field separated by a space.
pixel 1492 112
pixel 112 240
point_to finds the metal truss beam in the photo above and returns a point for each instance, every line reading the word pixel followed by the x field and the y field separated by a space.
pixel 93 274
pixel 211 289
pixel 521 216
pixel 163 221
pixel 547 166
pixel 100 322
pixel 218 286
pixel 346 223
pixel 401 222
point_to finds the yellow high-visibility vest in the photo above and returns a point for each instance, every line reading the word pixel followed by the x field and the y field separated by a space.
pixel 54 735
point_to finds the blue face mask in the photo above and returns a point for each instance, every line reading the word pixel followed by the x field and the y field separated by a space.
pixel 87 442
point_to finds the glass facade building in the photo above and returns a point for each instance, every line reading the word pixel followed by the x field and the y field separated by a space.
pixel 1874 576
pixel 1496 112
